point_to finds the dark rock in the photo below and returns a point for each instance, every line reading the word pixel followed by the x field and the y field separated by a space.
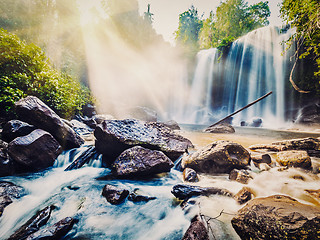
pixel 294 158
pixel 143 114
pixel 8 192
pixel 244 195
pixel 136 197
pixel 56 231
pixel 100 118
pixel 33 224
pixel 16 128
pixel 89 110
pixel 183 192
pixel 113 194
pixel 277 217
pixel 80 127
pixel 140 162
pixel 261 158
pixel 115 136
pixel 241 176
pixel 255 122
pixel 7 167
pixel 190 175
pixel 218 157
pixel 309 114
pixel 173 125
pixel 243 124
pixel 36 151
pixel 196 231
pixel 33 111
pixel 293 144
pixel 220 128
pixel 84 158
pixel 3 144
pixel 90 122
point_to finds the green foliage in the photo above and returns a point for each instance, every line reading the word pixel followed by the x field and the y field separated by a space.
pixel 25 70
pixel 305 16
pixel 233 19
pixel 189 28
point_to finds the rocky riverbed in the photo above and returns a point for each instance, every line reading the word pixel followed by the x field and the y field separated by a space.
pixel 141 179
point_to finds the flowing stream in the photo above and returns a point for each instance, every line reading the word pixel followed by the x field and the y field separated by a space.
pixel 77 193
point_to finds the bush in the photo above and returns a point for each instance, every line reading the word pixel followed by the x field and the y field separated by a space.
pixel 25 70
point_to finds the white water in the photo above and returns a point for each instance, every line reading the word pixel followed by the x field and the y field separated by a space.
pixel 255 65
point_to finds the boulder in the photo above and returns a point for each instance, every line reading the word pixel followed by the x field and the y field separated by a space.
pixel 218 157
pixel 141 162
pixel 55 231
pixel 33 224
pixel 33 111
pixel 36 151
pixel 7 167
pixel 196 231
pixel 136 197
pixel 172 124
pixel 184 192
pixel 16 128
pixel 115 136
pixel 277 217
pixel 255 122
pixel 220 128
pixel 241 176
pixel 114 195
pixel 244 195
pixel 89 110
pixel 190 175
pixel 80 127
pixel 294 158
pixel 100 118
pixel 309 114
pixel 261 158
pixel 8 192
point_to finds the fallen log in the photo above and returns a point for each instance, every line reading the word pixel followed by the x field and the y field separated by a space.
pixel 84 158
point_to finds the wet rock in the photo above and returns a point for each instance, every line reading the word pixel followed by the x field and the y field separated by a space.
pixel 293 144
pixel 56 231
pixel 84 158
pixel 190 175
pixel 277 217
pixel 241 176
pixel 80 127
pixel 115 136
pixel 184 192
pixel 33 111
pixel 8 192
pixel 136 197
pixel 173 125
pixel 3 144
pixel 294 158
pixel 141 162
pixel 255 122
pixel 244 195
pixel 143 113
pixel 114 195
pixel 218 157
pixel 7 167
pixel 100 118
pixel 220 128
pixel 89 110
pixel 309 114
pixel 36 151
pixel 33 224
pixel 196 231
pixel 16 128
pixel 261 158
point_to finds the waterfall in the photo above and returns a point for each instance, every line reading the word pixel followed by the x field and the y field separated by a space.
pixel 255 64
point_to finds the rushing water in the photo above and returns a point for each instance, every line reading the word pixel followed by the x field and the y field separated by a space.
pixel 77 193
pixel 255 64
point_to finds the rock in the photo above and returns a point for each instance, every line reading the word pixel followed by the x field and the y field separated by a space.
pixel 3 144
pixel 136 197
pixel 83 158
pixel 261 158
pixel 190 175
pixel 141 162
pixel 100 118
pixel 294 159
pixel 36 151
pixel 172 124
pixel 244 195
pixel 56 231
pixel 218 157
pixel 115 136
pixel 220 128
pixel 293 144
pixel 7 167
pixel 315 195
pixel 33 224
pixel 8 192
pixel 89 110
pixel 80 127
pixel 16 128
pixel 255 122
pixel 143 113
pixel 196 231
pixel 90 122
pixel 184 192
pixel 277 217
pixel 241 176
pixel 33 111
pixel 113 194
pixel 309 114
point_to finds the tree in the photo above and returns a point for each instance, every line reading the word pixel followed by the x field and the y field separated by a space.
pixel 189 28
pixel 148 16
pixel 305 17
pixel 25 70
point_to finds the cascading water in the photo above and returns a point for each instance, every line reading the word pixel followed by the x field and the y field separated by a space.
pixel 255 64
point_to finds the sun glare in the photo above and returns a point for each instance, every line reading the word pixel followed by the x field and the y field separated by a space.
pixel 90 11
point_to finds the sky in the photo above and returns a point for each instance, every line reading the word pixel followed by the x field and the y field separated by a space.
pixel 166 12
